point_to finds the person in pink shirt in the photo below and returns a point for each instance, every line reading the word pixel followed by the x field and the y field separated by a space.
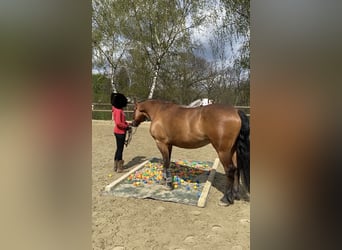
pixel 119 101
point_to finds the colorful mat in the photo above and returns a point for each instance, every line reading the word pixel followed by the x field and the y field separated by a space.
pixel 190 182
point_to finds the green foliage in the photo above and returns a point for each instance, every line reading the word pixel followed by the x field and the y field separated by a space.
pixel 159 29
pixel 109 46
pixel 98 115
pixel 123 80
pixel 101 88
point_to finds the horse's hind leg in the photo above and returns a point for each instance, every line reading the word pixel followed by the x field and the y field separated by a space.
pixel 230 169
pixel 236 185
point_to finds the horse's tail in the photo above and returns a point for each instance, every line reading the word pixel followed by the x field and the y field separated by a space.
pixel 243 148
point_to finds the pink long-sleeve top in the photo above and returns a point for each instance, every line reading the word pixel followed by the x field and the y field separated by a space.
pixel 119 120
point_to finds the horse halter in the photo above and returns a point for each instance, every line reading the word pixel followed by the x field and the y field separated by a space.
pixel 134 123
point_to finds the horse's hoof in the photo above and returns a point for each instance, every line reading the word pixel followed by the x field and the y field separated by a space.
pixel 167 187
pixel 223 204
pixel 237 196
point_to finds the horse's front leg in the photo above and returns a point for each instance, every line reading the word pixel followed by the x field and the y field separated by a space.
pixel 165 150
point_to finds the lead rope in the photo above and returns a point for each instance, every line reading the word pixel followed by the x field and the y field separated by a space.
pixel 129 135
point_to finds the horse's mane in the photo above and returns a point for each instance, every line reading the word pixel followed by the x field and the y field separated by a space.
pixel 160 101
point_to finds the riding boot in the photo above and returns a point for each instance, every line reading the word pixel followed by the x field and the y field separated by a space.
pixel 120 166
pixel 116 163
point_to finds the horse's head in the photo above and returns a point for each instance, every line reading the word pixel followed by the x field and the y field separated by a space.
pixel 139 115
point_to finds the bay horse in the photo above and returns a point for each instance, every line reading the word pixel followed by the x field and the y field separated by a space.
pixel 226 128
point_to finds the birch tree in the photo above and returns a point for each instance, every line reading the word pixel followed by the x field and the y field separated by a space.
pixel 159 29
pixel 109 46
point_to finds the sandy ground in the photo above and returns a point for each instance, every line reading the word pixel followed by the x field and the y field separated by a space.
pixel 129 223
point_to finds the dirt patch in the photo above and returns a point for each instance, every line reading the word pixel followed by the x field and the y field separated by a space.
pixel 129 223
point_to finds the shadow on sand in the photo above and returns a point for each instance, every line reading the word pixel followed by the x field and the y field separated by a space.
pixel 220 183
pixel 136 160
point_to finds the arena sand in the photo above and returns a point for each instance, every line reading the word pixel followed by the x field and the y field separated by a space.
pixel 129 223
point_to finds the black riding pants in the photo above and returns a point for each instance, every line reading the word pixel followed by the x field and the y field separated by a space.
pixel 120 143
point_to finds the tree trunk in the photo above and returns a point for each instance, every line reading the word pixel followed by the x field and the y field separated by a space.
pixel 154 81
pixel 112 81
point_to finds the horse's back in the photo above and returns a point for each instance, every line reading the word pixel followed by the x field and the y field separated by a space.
pixel 221 123
pixel 220 110
pixel 210 115
pixel 196 127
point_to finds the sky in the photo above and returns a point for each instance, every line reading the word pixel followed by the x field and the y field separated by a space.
pixel 205 33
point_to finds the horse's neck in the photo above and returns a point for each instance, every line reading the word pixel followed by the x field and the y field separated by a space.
pixel 151 108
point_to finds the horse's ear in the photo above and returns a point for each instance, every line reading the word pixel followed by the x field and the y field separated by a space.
pixel 135 101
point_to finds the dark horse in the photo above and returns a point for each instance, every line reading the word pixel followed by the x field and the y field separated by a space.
pixel 225 127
